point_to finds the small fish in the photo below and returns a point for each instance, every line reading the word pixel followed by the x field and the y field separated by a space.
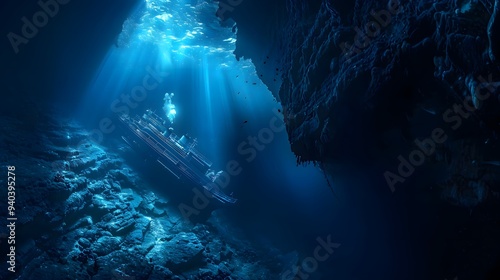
pixel 279 110
pixel 254 83
pixel 237 76
pixel 245 121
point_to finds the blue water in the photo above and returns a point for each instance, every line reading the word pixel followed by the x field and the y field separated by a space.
pixel 222 102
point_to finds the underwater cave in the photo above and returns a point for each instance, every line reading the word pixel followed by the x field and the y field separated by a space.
pixel 238 139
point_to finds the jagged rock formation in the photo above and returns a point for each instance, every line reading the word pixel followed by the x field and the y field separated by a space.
pixel 365 80
pixel 388 86
pixel 83 213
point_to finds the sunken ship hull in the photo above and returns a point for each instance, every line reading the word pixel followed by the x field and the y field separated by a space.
pixel 178 155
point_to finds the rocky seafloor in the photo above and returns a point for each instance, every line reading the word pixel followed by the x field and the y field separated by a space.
pixel 83 213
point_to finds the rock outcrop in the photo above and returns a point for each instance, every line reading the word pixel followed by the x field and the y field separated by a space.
pixel 87 215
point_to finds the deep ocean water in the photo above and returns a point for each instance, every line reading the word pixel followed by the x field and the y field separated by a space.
pixel 357 139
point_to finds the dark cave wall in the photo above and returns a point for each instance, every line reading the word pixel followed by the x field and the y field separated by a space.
pixel 346 95
pixel 259 23
pixel 363 101
pixel 418 58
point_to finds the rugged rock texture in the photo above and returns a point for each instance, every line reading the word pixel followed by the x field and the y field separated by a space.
pixel 84 214
pixel 347 96
pixel 367 83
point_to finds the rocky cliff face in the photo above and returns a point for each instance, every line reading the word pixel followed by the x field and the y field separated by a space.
pixel 372 80
pixel 394 88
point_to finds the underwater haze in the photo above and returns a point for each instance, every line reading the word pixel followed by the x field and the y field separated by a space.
pixel 200 139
